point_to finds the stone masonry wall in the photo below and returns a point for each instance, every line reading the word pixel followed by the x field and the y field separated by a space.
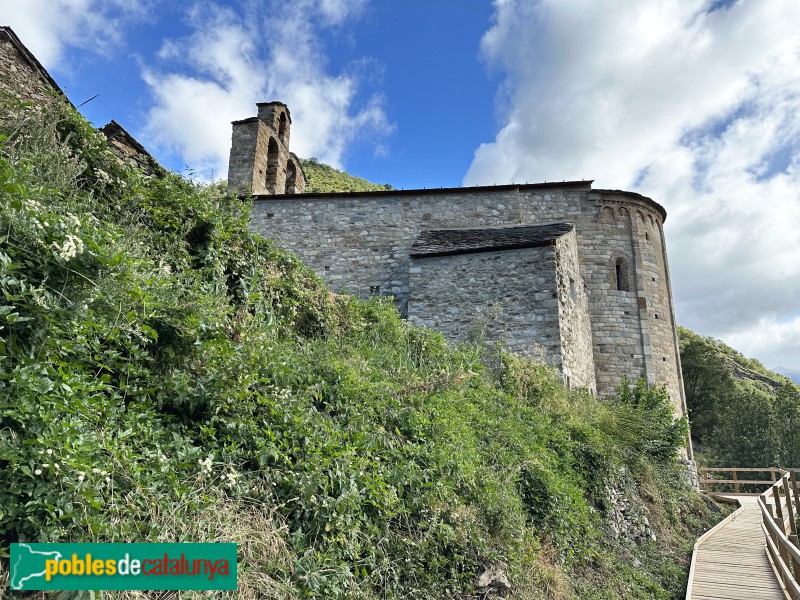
pixel 575 329
pixel 506 295
pixel 246 167
pixel 360 242
pixel 616 331
pixel 130 152
pixel 20 73
pixel 633 331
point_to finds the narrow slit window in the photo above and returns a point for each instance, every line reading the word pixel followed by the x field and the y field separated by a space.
pixel 621 275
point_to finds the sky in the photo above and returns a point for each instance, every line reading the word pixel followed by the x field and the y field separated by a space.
pixel 694 103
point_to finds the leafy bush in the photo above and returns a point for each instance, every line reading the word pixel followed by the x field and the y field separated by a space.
pixel 647 423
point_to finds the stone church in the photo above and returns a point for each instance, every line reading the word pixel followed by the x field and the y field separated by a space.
pixel 560 271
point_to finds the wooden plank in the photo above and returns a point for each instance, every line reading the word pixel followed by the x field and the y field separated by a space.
pixel 741 469
pixel 729 562
pixel 737 482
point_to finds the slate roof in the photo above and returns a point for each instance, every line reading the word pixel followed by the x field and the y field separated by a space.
pixel 444 242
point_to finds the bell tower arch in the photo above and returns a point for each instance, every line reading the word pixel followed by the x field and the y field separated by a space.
pixel 260 162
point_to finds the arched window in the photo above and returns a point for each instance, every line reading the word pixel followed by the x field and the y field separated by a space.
pixel 621 275
pixel 291 177
pixel 282 126
pixel 273 155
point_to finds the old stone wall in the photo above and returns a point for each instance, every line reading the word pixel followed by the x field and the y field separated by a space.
pixel 129 151
pixel 508 296
pixel 575 329
pixel 360 242
pixel 21 74
pixel 247 162
pixel 633 328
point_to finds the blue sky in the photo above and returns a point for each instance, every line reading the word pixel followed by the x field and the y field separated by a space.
pixel 695 103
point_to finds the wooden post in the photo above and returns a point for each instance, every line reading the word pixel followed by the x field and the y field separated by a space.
pixel 795 563
pixel 736 483
pixel 789 507
pixel 794 488
pixel 771 510
pixel 778 509
pixel 784 552
pixel 772 474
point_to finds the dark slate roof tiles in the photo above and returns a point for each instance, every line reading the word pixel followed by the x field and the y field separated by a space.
pixel 443 242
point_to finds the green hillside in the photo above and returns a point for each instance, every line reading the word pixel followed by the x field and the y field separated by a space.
pixel 742 414
pixel 168 375
pixel 324 178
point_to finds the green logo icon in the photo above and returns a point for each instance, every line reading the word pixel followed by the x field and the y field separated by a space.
pixel 123 566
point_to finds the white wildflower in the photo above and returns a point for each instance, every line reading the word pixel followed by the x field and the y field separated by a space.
pixel 81 476
pixel 31 203
pixel 205 464
pixel 231 477
pixel 45 465
pixel 102 175
pixel 108 479
pixel 73 219
pixel 71 247
pixel 37 472
pixel 49 451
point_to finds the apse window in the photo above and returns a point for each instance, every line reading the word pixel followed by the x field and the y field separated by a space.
pixel 621 275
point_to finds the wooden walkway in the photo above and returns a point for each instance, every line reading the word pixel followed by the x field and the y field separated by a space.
pixel 731 562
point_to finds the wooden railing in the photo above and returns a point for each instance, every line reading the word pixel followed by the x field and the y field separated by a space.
pixel 779 506
pixel 738 477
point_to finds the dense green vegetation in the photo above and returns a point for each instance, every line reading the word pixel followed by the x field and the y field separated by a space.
pixel 742 414
pixel 324 178
pixel 165 374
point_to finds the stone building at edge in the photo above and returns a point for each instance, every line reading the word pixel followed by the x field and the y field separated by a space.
pixel 560 271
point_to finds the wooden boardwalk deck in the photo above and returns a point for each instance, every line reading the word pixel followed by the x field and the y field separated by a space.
pixel 731 563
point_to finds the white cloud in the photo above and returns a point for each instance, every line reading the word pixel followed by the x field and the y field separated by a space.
pixel 46 27
pixel 697 109
pixel 271 51
pixel 771 341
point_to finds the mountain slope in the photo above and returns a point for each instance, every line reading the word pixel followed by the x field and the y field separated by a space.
pixel 747 371
pixel 323 178
pixel 741 413
pixel 789 373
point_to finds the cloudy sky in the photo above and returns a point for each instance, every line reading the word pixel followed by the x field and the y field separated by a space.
pixel 694 103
